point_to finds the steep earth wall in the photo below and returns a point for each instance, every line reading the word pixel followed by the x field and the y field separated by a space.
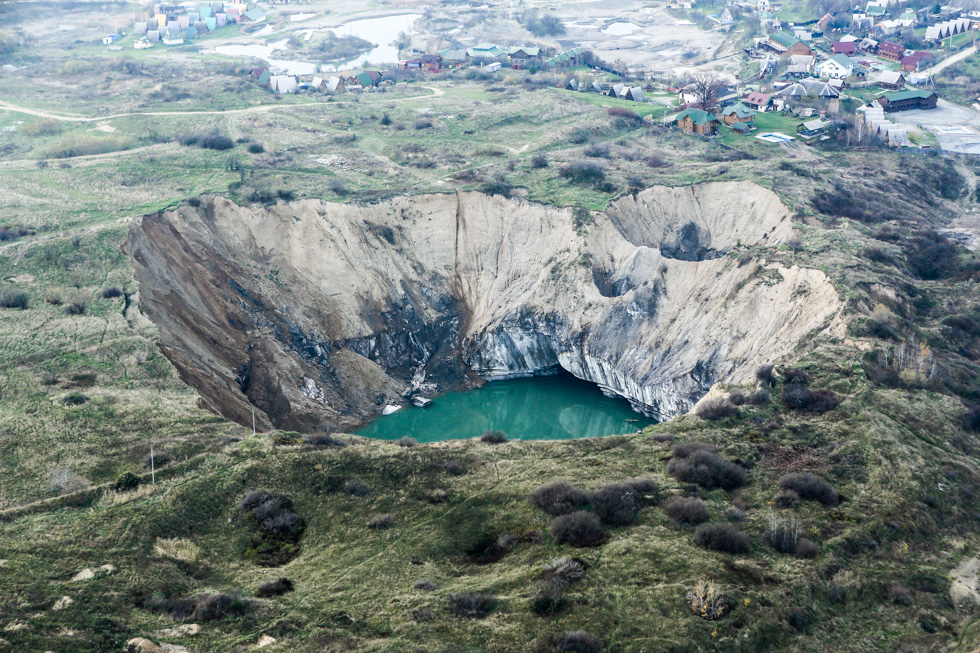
pixel 320 314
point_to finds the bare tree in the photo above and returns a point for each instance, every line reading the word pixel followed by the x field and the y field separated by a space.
pixel 706 90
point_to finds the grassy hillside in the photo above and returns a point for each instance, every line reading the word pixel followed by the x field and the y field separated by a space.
pixel 84 393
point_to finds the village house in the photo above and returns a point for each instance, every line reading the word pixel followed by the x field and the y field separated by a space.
pixel 283 84
pixel 521 57
pixel 916 61
pixel 758 101
pixel 870 46
pixel 696 121
pixel 786 44
pixel 737 113
pixel 891 51
pixel 142 44
pixel 906 100
pixel 848 48
pixel 837 67
pixel 799 65
pixel 891 80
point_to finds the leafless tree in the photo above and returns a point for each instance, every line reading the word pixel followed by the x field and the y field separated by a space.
pixel 706 90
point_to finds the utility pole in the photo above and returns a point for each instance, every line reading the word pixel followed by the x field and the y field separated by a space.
pixel 253 421
pixel 153 469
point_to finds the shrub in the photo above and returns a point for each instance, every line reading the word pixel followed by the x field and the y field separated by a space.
pixel 721 537
pixel 75 308
pixel 424 585
pixel 13 232
pixel 62 480
pixel 338 186
pixel 579 641
pixel 385 120
pixel 421 614
pixel 596 150
pixel 381 522
pixel 217 606
pixel 810 486
pixel 112 292
pixel 738 397
pixel 356 488
pixel 579 529
pixel 274 587
pixel 559 498
pixel 472 606
pixel 615 504
pixel 734 513
pixel 706 601
pixel 423 123
pixel 539 161
pixel 216 142
pixel 493 437
pixel 796 376
pixel 899 594
pixel 322 440
pixel 782 534
pixel 455 468
pixel 256 148
pixel 406 442
pixel 807 548
pixel 74 399
pixel 13 299
pixel 706 468
pixel 686 511
pixel 758 398
pixel 561 572
pixel 715 409
pixel 764 374
pixel 548 600
pixel 126 482
pixel 798 397
pixel 646 488
pixel 787 498
pixel 796 618
pixel 971 421
pixel 280 529
pixel 584 172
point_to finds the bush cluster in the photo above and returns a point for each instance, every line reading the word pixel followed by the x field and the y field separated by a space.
pixel 580 529
pixel 615 504
pixel 207 140
pixel 274 587
pixel 112 292
pixel 715 409
pixel 721 537
pixel 472 605
pixel 695 462
pixel 381 522
pixel 559 498
pixel 579 641
pixel 686 511
pixel 280 529
pixel 493 437
pixel 14 299
pixel 810 486
pixel 801 398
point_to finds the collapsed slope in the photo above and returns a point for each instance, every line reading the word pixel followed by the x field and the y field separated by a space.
pixel 320 315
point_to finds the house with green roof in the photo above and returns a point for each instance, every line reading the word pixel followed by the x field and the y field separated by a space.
pixel 907 99
pixel 737 113
pixel 486 51
pixel 786 44
pixel 696 121
pixel 565 57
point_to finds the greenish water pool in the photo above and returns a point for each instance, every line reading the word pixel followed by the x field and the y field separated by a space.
pixel 540 408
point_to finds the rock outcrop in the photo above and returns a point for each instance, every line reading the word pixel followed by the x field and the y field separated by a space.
pixel 320 314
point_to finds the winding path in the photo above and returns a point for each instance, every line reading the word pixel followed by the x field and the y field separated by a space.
pixel 436 92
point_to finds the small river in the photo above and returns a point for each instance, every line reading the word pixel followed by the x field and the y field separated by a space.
pixel 539 408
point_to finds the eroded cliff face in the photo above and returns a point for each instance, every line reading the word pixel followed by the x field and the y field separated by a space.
pixel 320 315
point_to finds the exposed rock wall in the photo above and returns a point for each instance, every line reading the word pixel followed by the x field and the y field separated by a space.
pixel 322 314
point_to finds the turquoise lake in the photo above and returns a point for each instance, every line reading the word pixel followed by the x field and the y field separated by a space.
pixel 539 408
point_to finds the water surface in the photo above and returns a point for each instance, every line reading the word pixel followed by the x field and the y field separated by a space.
pixel 540 408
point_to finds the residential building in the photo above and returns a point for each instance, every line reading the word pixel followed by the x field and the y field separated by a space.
pixel 906 100
pixel 845 48
pixel 697 121
pixel 892 81
pixel 758 101
pixel 787 44
pixel 737 113
pixel 837 67
pixel 891 51
pixel 916 61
